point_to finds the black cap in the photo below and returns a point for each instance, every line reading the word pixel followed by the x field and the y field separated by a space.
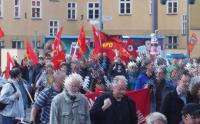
pixel 192 109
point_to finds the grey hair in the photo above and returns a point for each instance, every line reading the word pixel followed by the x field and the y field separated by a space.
pixel 57 75
pixel 194 85
pixel 74 77
pixel 116 80
pixel 156 116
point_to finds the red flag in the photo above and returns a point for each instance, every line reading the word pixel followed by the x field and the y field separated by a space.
pixel 130 48
pixel 58 53
pixel 141 98
pixel 57 42
pixel 10 64
pixel 1 33
pixel 30 53
pixel 58 59
pixel 123 53
pixel 97 45
pixel 81 41
pixel 103 36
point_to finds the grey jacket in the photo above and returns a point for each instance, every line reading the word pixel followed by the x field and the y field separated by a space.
pixel 15 106
pixel 66 111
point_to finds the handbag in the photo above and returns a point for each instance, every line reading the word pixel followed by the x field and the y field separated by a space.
pixel 3 105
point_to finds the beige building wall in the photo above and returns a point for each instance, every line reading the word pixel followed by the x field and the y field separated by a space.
pixel 195 26
pixel 18 54
pixel 138 23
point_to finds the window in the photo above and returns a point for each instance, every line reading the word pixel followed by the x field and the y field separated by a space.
pixel 93 10
pixel 18 44
pixel 184 24
pixel 172 6
pixel 17 8
pixel 36 9
pixel 125 7
pixel 71 11
pixel 172 42
pixel 1 8
pixel 53 27
pixel 1 44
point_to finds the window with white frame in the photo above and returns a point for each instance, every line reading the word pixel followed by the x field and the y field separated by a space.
pixel 184 24
pixel 172 6
pixel 125 7
pixel 17 44
pixel 1 44
pixel 17 8
pixel 172 42
pixel 1 8
pixel 53 27
pixel 36 8
pixel 71 11
pixel 150 7
pixel 93 10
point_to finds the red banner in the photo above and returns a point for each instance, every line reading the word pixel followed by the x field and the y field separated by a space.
pixel 141 98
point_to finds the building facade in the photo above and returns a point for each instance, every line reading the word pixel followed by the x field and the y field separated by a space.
pixel 36 20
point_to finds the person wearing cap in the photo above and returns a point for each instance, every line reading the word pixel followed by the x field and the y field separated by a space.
pixel 191 114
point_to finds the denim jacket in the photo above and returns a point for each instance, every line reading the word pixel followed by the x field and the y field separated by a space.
pixel 15 106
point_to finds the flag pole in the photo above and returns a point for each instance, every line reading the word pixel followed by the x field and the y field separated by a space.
pixel 25 87
pixel 75 49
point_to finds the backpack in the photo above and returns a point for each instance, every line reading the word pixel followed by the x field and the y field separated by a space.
pixel 3 105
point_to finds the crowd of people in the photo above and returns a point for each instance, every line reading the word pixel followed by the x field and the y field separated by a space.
pixel 57 96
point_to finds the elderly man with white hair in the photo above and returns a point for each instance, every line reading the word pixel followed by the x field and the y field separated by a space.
pixel 70 106
pixel 156 118
pixel 114 107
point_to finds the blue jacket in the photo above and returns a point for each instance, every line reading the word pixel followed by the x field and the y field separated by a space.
pixel 142 80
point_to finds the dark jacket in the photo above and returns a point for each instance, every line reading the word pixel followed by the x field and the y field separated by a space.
pixel 123 112
pixel 117 69
pixel 37 71
pixel 172 106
